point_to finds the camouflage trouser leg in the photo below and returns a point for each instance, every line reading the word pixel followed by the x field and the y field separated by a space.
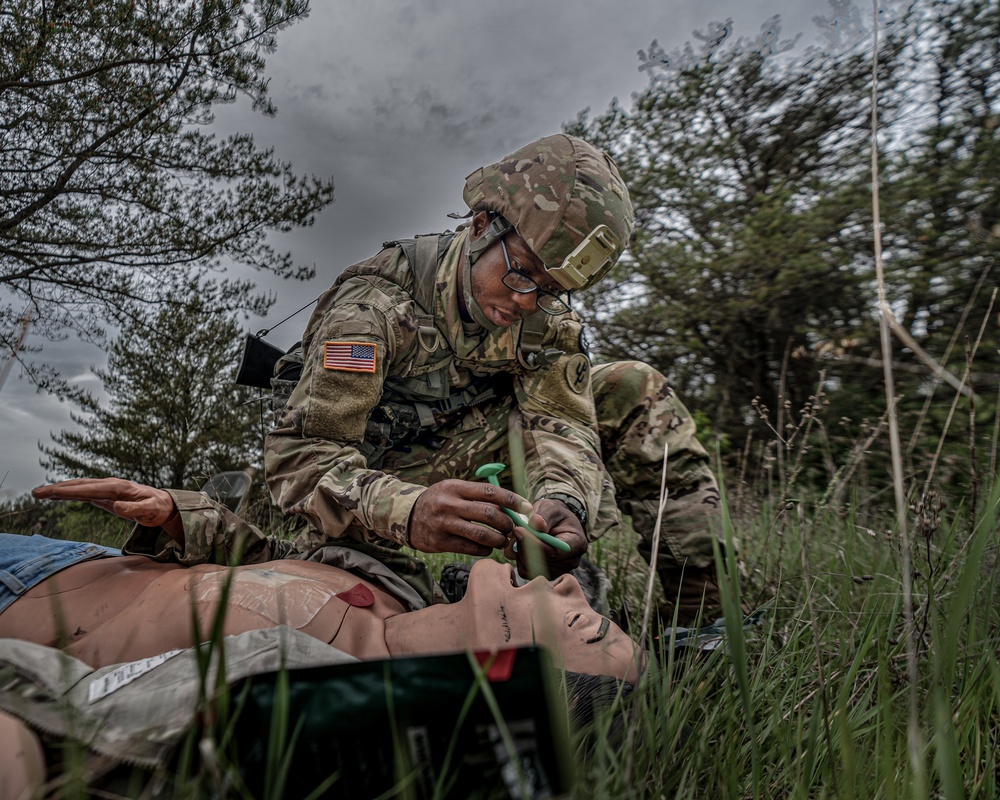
pixel 638 416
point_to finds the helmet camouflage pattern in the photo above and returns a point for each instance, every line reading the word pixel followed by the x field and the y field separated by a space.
pixel 566 199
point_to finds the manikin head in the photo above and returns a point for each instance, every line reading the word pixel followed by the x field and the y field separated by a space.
pixel 496 611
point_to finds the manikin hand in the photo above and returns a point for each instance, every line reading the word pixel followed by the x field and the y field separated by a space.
pixel 130 501
pixel 455 516
pixel 553 517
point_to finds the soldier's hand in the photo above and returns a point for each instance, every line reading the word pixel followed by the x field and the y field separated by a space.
pixel 456 516
pixel 555 518
pixel 131 501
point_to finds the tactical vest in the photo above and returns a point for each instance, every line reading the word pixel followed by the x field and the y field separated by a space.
pixel 413 405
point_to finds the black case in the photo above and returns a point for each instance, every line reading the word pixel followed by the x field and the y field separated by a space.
pixel 419 727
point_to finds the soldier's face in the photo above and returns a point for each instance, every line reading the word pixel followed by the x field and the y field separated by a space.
pixel 502 305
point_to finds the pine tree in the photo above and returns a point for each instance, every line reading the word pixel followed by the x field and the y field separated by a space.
pixel 172 415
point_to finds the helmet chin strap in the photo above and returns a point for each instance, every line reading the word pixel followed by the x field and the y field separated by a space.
pixel 470 302
pixel 498 228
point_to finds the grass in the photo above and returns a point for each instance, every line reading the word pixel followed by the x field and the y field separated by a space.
pixel 814 703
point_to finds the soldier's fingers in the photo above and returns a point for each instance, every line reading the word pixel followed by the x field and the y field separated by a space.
pixel 75 489
pixel 497 495
pixel 89 489
pixel 489 515
pixel 555 518
pixel 538 522
pixel 448 542
pixel 128 509
pixel 150 512
pixel 459 544
pixel 125 499
pixel 513 547
pixel 481 535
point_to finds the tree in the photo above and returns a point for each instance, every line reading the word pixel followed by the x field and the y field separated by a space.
pixel 943 207
pixel 112 193
pixel 173 415
pixel 748 170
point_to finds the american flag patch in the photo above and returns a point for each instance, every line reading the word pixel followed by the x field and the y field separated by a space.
pixel 349 356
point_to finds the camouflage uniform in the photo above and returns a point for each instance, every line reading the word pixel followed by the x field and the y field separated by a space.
pixel 320 464
pixel 213 534
pixel 395 395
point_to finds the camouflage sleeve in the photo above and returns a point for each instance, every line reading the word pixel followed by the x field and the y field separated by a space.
pixel 314 460
pixel 212 535
pixel 562 448
pixel 640 417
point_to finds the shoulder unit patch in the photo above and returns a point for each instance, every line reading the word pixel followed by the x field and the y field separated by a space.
pixel 578 372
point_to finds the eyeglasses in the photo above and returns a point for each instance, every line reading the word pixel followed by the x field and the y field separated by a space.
pixel 517 281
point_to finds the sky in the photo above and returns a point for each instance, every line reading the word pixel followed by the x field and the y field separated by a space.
pixel 399 102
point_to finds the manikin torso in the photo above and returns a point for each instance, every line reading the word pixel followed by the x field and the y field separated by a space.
pixel 122 609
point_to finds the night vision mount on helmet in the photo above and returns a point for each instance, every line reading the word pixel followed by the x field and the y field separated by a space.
pixel 565 198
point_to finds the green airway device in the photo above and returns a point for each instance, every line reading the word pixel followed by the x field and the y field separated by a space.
pixel 490 472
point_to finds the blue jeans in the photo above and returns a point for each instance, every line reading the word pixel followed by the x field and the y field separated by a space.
pixel 27 560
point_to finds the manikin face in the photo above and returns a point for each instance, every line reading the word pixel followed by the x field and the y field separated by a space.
pixel 496 612
pixel 501 305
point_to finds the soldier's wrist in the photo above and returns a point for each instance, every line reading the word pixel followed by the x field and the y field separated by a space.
pixel 576 508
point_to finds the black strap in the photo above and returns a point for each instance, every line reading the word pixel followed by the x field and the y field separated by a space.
pixel 423 254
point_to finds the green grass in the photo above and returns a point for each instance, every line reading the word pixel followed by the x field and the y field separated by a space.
pixel 815 703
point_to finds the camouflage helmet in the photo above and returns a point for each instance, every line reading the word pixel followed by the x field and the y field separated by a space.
pixel 566 199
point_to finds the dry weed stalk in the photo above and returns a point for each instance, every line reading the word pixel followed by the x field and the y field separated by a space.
pixel 996 432
pixel 783 406
pixel 958 395
pixel 786 450
pixel 973 476
pixel 846 472
pixel 914 737
pixel 648 604
pixel 809 415
pixel 787 455
pixel 944 359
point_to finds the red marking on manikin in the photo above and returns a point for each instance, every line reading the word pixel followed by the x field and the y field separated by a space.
pixel 359 595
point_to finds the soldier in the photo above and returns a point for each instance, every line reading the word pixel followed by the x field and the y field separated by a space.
pixel 447 351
